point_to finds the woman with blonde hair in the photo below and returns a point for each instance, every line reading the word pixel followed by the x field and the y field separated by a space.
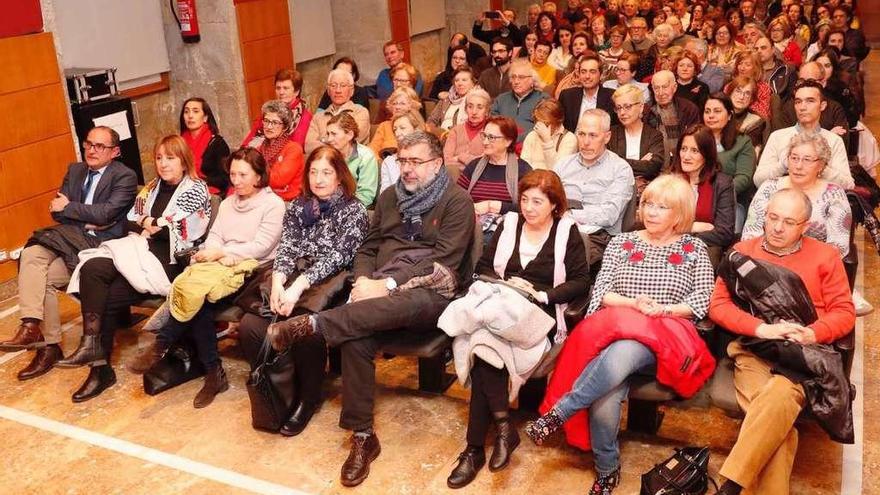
pixel 653 284
pixel 402 100
pixel 402 125
pixel 169 215
pixel 548 140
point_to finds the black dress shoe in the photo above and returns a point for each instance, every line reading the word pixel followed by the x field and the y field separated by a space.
pixel 469 464
pixel 299 419
pixel 364 450
pixel 43 361
pixel 506 441
pixel 100 379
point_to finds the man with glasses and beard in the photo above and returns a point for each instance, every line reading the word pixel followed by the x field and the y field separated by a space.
pixel 495 79
pixel 423 226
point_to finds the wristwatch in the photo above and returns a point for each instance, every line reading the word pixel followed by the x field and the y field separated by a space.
pixel 390 284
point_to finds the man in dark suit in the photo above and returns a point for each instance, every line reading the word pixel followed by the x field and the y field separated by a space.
pixel 90 208
pixel 575 101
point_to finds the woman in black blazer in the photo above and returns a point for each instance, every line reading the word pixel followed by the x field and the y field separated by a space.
pixel 633 140
pixel 696 159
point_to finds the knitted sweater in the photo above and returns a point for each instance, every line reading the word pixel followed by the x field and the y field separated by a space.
pixel 819 266
pixel 248 228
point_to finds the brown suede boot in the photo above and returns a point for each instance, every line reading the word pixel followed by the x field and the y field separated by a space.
pixel 215 383
pixel 28 336
pixel 148 357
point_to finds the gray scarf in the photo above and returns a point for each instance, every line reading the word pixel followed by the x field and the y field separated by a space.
pixel 412 205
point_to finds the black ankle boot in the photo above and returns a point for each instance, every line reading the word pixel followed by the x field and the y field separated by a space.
pixel 299 419
pixel 506 441
pixel 469 464
pixel 100 379
pixel 90 350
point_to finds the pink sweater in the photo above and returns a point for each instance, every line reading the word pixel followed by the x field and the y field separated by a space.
pixel 459 150
pixel 249 228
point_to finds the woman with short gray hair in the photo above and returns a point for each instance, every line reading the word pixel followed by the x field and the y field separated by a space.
pixel 284 157
pixel 808 155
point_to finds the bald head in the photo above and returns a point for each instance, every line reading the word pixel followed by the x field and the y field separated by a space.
pixel 794 202
pixel 812 70
pixel 787 219
pixel 664 86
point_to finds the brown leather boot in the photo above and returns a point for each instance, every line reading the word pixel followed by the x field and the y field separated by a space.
pixel 148 357
pixel 28 336
pixel 284 333
pixel 90 350
pixel 43 361
pixel 215 383
pixel 364 450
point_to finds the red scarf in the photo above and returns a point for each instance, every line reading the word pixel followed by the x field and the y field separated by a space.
pixel 198 144
pixel 705 193
pixel 473 130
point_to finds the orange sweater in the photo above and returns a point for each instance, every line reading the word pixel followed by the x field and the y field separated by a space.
pixel 286 174
pixel 819 266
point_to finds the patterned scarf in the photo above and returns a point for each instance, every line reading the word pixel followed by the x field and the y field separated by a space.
pixel 315 208
pixel 296 112
pixel 271 148
pixel 412 205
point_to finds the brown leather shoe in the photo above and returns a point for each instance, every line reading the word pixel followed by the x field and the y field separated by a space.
pixel 284 333
pixel 43 361
pixel 364 450
pixel 145 360
pixel 28 336
pixel 215 382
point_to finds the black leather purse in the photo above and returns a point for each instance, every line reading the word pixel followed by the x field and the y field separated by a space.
pixel 271 390
pixel 686 472
pixel 179 365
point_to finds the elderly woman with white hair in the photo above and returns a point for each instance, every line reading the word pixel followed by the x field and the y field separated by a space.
pixel 654 283
pixel 808 155
pixel 340 87
pixel 463 141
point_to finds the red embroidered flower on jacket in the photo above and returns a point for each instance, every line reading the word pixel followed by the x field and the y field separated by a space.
pixel 675 259
pixel 637 256
pixel 688 247
pixel 628 246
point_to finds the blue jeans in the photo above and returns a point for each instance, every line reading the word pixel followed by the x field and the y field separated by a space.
pixel 602 387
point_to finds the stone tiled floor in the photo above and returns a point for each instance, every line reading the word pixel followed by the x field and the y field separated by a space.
pixel 421 434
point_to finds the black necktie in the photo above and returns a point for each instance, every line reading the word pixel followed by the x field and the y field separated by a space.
pixel 88 184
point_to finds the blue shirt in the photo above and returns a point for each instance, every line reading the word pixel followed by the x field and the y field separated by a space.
pixel 90 194
pixel 384 84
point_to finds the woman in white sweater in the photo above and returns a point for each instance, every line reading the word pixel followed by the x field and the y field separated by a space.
pixel 549 140
pixel 248 227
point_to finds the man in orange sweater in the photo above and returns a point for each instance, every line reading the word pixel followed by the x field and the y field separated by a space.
pixel 762 458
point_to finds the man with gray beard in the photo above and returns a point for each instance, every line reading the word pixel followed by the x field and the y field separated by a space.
pixel 422 228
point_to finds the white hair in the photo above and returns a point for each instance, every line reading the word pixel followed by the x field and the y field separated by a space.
pixel 344 74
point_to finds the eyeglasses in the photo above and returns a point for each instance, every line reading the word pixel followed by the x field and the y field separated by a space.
pixel 519 77
pixel 797 160
pixel 655 207
pixel 625 107
pixel 413 162
pixel 788 223
pixel 621 69
pixel 401 81
pixel 339 85
pixel 742 93
pixel 99 147
pixel 272 123
pixel 490 137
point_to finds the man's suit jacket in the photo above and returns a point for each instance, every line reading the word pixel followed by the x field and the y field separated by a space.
pixel 113 197
pixel 571 100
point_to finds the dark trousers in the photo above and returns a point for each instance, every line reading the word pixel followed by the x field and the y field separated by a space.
pixel 202 330
pixel 104 291
pixel 488 395
pixel 309 356
pixel 356 329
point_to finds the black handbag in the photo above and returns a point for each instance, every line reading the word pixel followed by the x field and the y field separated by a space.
pixel 271 389
pixel 686 472
pixel 179 365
